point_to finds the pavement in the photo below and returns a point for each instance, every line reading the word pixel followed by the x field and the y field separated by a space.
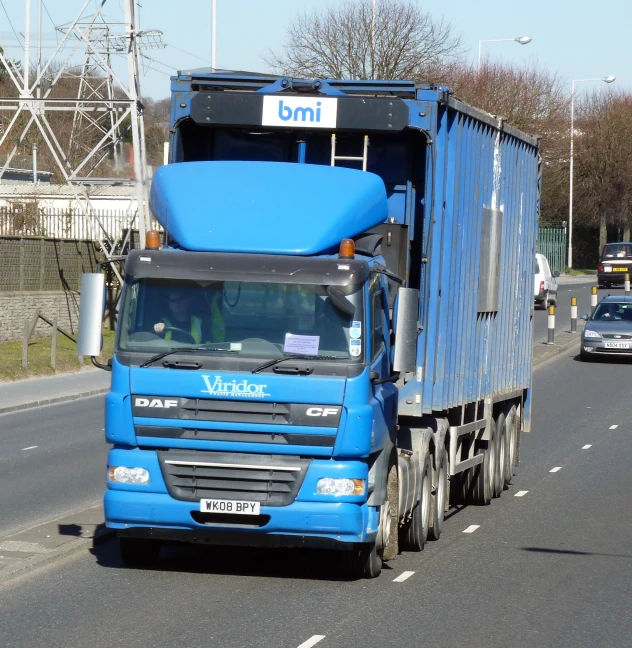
pixel 40 544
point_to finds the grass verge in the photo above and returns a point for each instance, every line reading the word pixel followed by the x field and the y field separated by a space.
pixel 574 272
pixel 39 357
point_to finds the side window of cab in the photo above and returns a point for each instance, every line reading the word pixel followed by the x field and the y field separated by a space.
pixel 376 297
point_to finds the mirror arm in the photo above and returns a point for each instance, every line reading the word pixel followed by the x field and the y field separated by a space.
pixel 99 365
pixel 394 377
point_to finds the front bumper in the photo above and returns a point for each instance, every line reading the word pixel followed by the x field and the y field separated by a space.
pixel 596 347
pixel 300 524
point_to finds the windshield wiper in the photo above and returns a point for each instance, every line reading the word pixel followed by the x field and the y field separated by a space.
pixel 294 356
pixel 164 354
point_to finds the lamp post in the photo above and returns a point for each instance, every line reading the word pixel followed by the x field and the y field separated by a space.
pixel 213 34
pixel 522 40
pixel 608 79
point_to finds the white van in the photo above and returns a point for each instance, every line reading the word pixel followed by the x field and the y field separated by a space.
pixel 545 284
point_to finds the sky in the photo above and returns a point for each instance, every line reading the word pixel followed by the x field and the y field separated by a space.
pixel 578 39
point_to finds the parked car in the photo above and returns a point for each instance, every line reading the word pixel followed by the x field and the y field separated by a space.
pixel 545 284
pixel 614 263
pixel 608 330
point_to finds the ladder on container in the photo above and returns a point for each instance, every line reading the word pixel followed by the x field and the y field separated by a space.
pixel 363 159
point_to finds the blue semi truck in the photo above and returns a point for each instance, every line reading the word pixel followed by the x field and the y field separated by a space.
pixel 330 339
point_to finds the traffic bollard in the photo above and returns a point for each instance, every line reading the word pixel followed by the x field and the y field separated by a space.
pixel 573 314
pixel 627 285
pixel 593 300
pixel 551 339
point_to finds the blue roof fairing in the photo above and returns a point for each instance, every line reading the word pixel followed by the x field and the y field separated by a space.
pixel 265 207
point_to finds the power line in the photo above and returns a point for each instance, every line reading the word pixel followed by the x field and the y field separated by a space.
pixel 51 20
pixel 188 53
pixel 10 23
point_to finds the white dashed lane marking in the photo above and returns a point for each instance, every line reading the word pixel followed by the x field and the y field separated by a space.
pixel 403 576
pixel 312 641
pixel 521 493
pixel 613 427
pixel 586 446
pixel 555 469
pixel 30 448
pixel 471 528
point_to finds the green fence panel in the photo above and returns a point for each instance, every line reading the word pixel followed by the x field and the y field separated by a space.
pixel 552 243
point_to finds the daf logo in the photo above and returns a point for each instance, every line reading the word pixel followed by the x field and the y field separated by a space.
pixel 166 403
pixel 322 411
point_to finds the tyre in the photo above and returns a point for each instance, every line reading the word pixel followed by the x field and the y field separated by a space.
pixel 501 446
pixel 139 552
pixel 511 423
pixel 414 533
pixel 440 498
pixel 483 474
pixel 363 561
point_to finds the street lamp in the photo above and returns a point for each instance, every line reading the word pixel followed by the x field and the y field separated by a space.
pixel 523 40
pixel 608 79
pixel 213 33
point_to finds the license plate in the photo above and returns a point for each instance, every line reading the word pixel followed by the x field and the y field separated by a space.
pixel 608 269
pixel 234 507
pixel 617 345
pixel 619 269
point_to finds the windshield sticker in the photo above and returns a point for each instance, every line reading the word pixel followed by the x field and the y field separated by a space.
pixel 301 344
pixel 355 347
pixel 306 322
pixel 356 330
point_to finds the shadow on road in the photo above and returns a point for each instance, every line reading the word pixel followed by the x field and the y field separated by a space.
pixel 304 564
pixel 571 552
pixel 604 359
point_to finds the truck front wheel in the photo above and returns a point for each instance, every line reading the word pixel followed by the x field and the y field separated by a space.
pixel 139 552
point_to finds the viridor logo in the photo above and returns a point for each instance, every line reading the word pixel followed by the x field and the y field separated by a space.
pixel 301 112
pixel 217 386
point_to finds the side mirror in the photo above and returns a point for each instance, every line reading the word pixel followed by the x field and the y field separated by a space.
pixel 406 330
pixel 584 317
pixel 89 338
pixel 340 300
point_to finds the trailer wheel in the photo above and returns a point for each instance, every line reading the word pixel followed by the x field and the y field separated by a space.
pixel 483 473
pixel 139 552
pixel 440 499
pixel 414 532
pixel 501 444
pixel 511 423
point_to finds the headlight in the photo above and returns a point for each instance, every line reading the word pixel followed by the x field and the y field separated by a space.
pixel 589 333
pixel 331 486
pixel 124 475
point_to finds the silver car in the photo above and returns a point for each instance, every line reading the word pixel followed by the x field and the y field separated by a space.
pixel 608 330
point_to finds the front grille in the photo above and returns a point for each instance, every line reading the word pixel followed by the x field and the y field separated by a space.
pixel 613 336
pixel 203 409
pixel 271 480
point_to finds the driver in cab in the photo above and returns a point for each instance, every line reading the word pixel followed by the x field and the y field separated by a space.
pixel 181 324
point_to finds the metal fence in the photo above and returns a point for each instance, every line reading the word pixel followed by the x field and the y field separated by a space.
pixel 65 224
pixel 552 244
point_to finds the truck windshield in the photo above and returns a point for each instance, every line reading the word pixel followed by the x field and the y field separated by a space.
pixel 247 319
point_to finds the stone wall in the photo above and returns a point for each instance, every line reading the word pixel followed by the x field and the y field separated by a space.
pixel 16 308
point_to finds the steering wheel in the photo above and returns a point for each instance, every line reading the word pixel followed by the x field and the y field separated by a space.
pixel 179 330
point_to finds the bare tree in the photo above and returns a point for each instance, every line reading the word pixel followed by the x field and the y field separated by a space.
pixel 350 40
pixel 603 164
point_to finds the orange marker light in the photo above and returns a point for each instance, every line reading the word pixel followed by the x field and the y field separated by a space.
pixel 347 249
pixel 152 240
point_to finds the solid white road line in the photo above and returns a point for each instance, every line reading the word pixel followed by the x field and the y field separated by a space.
pixel 312 641
pixel 586 446
pixel 521 493
pixel 30 448
pixel 555 469
pixel 613 427
pixel 471 528
pixel 403 576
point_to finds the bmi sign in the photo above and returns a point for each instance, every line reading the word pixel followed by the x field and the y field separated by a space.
pixel 299 112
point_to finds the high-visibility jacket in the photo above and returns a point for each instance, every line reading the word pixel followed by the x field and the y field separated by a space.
pixel 218 332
